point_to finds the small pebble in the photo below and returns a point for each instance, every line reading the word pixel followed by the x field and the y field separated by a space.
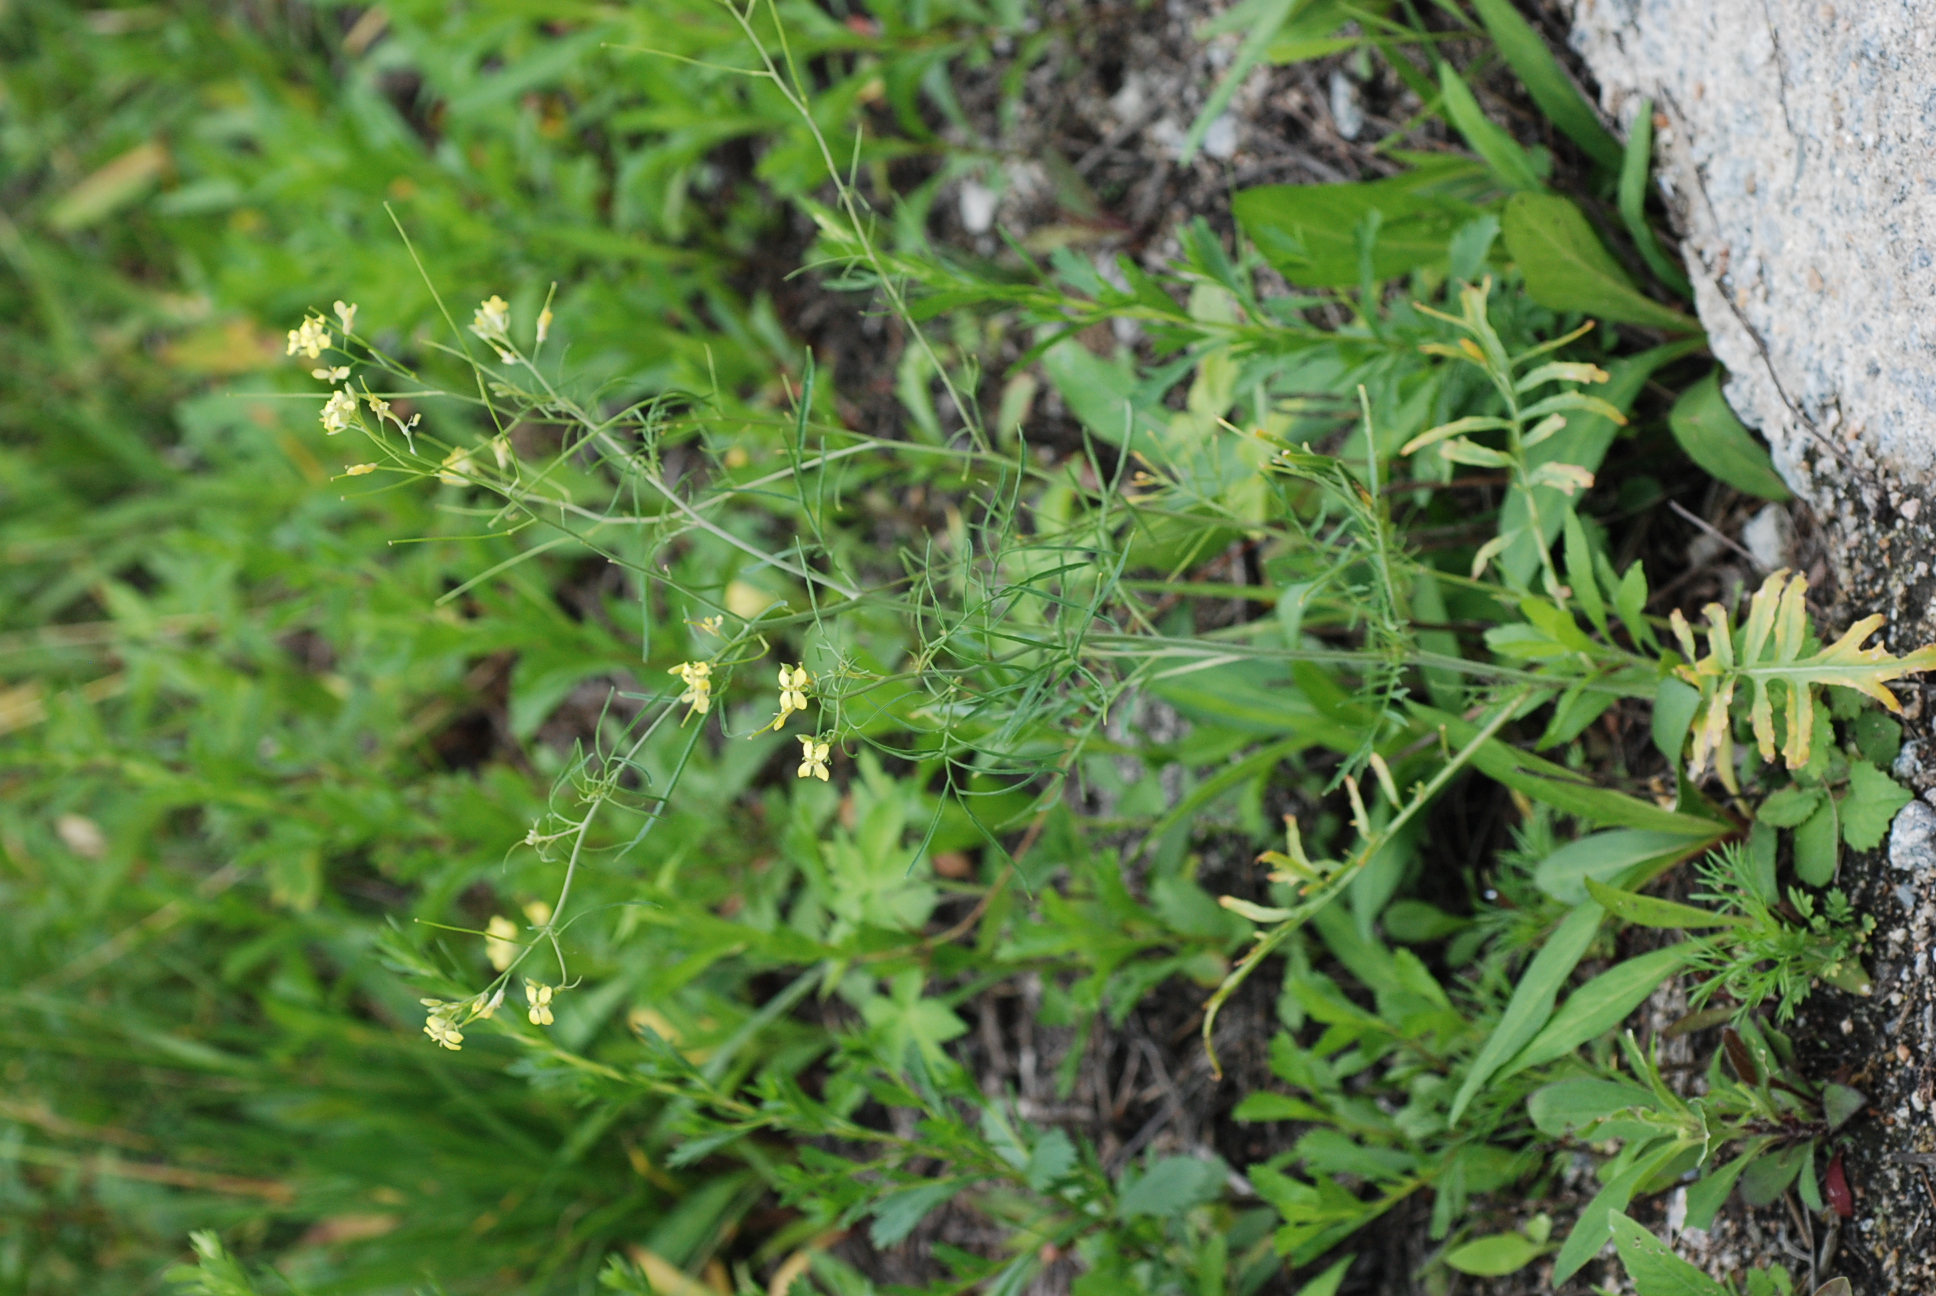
pixel 1848 1027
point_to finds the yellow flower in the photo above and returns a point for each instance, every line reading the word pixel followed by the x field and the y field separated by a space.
pixel 544 325
pixel 492 319
pixel 337 412
pixel 487 1008
pixel 338 374
pixel 539 995
pixel 501 942
pixel 379 407
pixel 440 1026
pixel 456 464
pixel 359 470
pixel 698 679
pixel 794 682
pixel 346 316
pixel 709 624
pixel 310 339
pixel 813 758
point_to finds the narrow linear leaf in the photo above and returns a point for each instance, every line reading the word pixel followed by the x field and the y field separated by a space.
pixel 1532 1000
pixel 1501 151
pixel 1599 1006
pixel 1635 165
pixel 1651 911
pixel 1547 82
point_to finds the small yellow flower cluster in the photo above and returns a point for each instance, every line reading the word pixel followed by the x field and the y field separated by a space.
pixel 813 758
pixel 310 339
pixel 338 411
pixel 698 679
pixel 441 1025
pixel 492 322
pixel 446 1017
pixel 539 995
pixel 359 470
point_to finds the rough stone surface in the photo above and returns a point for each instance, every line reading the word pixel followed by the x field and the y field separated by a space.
pixel 1797 153
pixel 1912 839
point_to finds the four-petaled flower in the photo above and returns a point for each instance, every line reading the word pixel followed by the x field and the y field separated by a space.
pixel 359 470
pixel 346 316
pixel 337 412
pixel 337 374
pixel 698 679
pixel 540 996
pixel 793 690
pixel 310 339
pixel 492 320
pixel 813 758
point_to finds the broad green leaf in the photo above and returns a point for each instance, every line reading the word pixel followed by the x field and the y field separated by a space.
pixel 1789 807
pixel 1806 1186
pixel 1651 911
pixel 1715 439
pixel 1599 1006
pixel 1568 1105
pixel 1328 1282
pixel 1878 738
pixel 1052 1157
pixel 1607 856
pixel 1675 703
pixel 1532 1000
pixel 1653 1266
pixel 1415 922
pixel 1818 845
pixel 1495 1256
pixel 1707 1195
pixel 1630 601
pixel 1871 805
pixel 1102 394
pixel 1547 82
pixel 1265 1106
pixel 1172 1186
pixel 1309 232
pixel 1769 1175
pixel 1579 574
pixel 1592 1228
pixel 1840 1103
pixel 897 1214
pixel 1635 164
pixel 1501 151
pixel 1567 268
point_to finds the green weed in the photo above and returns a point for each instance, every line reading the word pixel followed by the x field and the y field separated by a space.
pixel 565 847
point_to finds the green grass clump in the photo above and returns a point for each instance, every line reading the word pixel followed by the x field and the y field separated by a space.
pixel 502 797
